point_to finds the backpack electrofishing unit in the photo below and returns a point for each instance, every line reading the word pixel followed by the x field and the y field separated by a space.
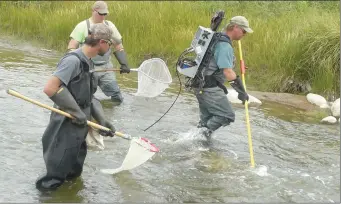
pixel 202 47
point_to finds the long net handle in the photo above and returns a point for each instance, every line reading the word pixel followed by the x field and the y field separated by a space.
pixel 112 70
pixel 242 69
pixel 92 124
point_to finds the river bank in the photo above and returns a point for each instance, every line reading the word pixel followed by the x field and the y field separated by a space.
pixel 291 100
pixel 280 50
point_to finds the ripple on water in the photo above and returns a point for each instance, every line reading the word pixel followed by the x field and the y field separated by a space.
pixel 295 161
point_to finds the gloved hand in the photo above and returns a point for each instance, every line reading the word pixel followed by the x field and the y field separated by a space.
pixel 65 101
pixel 238 86
pixel 98 114
pixel 107 133
pixel 122 59
pixel 124 69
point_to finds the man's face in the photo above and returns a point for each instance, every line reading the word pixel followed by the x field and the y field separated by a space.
pixel 104 46
pixel 98 17
pixel 238 32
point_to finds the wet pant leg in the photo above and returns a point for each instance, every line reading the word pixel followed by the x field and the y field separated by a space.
pixel 109 86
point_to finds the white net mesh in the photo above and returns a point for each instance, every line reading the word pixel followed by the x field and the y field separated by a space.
pixel 153 78
pixel 139 152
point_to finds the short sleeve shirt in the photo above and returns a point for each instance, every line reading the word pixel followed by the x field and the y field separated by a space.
pixel 81 31
pixel 224 55
pixel 69 67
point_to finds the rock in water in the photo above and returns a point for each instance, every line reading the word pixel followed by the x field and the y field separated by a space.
pixel 232 96
pixel 317 100
pixel 336 108
pixel 329 120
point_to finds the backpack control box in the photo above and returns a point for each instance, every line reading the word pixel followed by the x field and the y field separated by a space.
pixel 199 45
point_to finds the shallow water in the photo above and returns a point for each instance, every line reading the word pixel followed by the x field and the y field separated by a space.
pixel 296 161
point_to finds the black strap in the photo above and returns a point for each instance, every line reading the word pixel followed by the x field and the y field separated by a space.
pixel 88 25
pixel 211 81
pixel 220 85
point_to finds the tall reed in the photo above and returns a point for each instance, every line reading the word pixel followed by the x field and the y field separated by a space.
pixel 291 39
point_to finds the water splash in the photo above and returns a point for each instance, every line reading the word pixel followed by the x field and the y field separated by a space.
pixel 261 170
pixel 192 134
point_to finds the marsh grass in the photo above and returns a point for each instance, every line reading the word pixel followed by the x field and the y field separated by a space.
pixel 291 39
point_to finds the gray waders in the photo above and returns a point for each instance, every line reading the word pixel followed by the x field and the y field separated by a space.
pixel 215 109
pixel 64 145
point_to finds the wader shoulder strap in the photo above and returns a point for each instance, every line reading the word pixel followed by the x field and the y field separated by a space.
pixel 84 65
pixel 88 25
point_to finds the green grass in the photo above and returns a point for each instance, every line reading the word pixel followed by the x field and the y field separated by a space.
pixel 291 39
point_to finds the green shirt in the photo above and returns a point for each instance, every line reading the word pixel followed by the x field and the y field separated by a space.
pixel 224 55
pixel 81 31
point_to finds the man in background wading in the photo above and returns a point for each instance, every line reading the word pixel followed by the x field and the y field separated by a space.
pixel 106 80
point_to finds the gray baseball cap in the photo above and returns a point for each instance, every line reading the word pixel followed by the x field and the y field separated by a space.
pixel 242 22
pixel 100 7
pixel 101 31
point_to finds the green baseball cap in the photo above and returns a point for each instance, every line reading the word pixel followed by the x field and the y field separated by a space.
pixel 242 22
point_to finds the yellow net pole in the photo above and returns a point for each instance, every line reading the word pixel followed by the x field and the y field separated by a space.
pixel 242 69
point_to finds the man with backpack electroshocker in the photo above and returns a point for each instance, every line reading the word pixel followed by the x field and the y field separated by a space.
pixel 215 109
pixel 106 80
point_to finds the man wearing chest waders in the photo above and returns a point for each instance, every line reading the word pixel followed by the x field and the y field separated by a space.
pixel 215 109
pixel 106 80
pixel 71 88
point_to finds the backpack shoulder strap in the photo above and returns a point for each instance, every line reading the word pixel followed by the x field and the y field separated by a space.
pixel 224 38
pixel 88 25
pixel 106 23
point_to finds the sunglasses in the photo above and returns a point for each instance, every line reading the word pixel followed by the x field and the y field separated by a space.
pixel 108 42
pixel 244 31
pixel 101 14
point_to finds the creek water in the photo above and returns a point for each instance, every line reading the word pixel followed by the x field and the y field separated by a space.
pixel 296 161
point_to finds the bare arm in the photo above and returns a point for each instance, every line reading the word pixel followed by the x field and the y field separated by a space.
pixel 73 44
pixel 118 47
pixel 230 74
pixel 52 86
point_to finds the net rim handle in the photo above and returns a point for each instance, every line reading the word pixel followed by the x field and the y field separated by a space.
pixel 164 64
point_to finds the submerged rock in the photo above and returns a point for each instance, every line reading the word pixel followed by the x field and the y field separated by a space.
pixel 329 120
pixel 317 100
